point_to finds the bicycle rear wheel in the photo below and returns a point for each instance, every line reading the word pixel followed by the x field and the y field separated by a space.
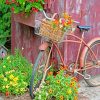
pixel 90 65
pixel 38 71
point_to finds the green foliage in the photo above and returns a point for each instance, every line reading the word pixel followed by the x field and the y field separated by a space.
pixel 26 6
pixel 15 73
pixel 59 87
pixel 5 22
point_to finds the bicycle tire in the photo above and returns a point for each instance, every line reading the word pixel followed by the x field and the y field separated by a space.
pixel 85 60
pixel 35 80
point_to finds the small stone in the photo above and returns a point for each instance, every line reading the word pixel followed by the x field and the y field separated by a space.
pixel 1 98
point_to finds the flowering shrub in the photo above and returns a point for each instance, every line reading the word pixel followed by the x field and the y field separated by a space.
pixel 26 6
pixel 14 74
pixel 64 22
pixel 59 87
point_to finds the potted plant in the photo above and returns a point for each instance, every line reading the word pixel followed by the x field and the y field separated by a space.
pixel 24 11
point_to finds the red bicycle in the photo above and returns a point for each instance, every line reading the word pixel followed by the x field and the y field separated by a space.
pixel 86 64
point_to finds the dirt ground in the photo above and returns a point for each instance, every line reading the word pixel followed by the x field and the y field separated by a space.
pixel 89 93
pixel 26 96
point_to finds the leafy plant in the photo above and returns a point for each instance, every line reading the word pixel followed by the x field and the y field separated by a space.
pixel 5 22
pixel 59 87
pixel 25 6
pixel 15 73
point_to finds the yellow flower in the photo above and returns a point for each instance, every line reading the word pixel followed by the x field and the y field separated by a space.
pixel 11 76
pixel 50 91
pixel 11 82
pixel 3 87
pixel 15 79
pixel 4 66
pixel 5 79
pixel 9 61
pixel 69 91
pixel 14 84
pixel 75 98
pixel 22 89
pixel 58 81
pixel 61 97
pixel 8 57
pixel 72 84
pixel 16 90
pixel 7 86
pixel 1 76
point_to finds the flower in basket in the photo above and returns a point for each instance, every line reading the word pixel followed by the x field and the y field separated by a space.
pixel 59 87
pixel 64 22
pixel 25 6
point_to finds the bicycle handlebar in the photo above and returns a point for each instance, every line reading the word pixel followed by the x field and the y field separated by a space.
pixel 52 18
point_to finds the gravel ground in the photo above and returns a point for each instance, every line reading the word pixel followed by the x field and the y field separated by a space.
pixel 89 93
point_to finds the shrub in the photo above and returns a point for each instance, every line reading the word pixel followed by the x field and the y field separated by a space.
pixel 15 74
pixel 5 22
pixel 59 87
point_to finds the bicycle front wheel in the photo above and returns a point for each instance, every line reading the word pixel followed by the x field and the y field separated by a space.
pixel 37 73
pixel 90 64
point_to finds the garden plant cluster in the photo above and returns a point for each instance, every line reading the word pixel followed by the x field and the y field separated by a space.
pixel 15 73
pixel 25 6
pixel 58 87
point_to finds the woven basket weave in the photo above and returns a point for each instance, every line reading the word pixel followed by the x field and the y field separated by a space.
pixel 47 30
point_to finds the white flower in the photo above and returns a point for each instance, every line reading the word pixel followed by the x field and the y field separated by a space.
pixel 39 97
pixel 60 26
pixel 46 94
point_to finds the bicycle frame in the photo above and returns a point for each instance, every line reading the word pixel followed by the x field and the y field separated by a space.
pixel 79 41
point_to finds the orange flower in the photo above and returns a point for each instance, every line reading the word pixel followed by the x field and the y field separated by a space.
pixel 72 84
pixel 50 73
pixel 56 22
pixel 70 21
pixel 66 75
pixel 75 98
pixel 66 16
pixel 63 67
pixel 67 84
pixel 74 79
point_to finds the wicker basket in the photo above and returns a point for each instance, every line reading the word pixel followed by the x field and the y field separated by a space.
pixel 47 30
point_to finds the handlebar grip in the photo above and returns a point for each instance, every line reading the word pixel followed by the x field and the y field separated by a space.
pixel 52 18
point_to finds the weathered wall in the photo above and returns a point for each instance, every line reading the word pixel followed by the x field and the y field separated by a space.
pixel 87 12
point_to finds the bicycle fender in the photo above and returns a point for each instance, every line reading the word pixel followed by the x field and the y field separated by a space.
pixel 43 46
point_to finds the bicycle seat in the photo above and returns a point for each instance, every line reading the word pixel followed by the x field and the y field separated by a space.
pixel 84 28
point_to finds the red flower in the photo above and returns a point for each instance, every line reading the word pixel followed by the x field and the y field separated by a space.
pixel 7 94
pixel 7 2
pixel 34 9
pixel 12 8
